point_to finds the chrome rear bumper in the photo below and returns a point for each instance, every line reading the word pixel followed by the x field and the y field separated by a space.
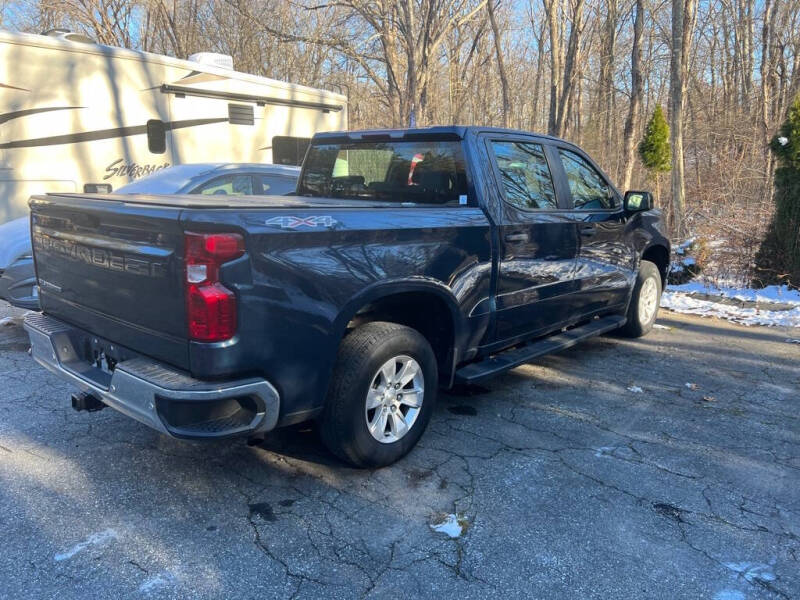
pixel 153 393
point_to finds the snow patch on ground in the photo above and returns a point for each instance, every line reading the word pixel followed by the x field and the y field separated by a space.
pixel 635 389
pixel 683 303
pixel 6 321
pixel 451 525
pixel 752 572
pixel 158 581
pixel 660 326
pixel 729 595
pixel 101 538
pixel 780 294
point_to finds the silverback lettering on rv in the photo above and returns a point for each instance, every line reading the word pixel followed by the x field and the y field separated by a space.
pixel 119 168
pixel 98 257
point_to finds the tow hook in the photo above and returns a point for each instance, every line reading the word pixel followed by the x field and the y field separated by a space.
pixel 87 402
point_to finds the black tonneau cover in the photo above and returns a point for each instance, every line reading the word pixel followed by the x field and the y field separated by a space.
pixel 217 201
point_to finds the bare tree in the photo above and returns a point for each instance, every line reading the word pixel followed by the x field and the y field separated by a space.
pixel 631 131
pixel 490 7
pixel 683 18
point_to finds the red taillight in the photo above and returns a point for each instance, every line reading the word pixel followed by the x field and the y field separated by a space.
pixel 210 306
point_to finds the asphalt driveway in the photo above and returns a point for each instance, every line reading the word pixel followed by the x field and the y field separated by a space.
pixel 666 467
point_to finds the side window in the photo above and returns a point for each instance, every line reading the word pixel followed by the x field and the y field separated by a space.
pixel 227 185
pixel 589 190
pixel 156 136
pixel 275 185
pixel 525 175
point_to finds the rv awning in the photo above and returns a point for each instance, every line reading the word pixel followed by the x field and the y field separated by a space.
pixel 179 90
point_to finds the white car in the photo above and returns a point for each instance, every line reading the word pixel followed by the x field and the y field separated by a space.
pixel 17 276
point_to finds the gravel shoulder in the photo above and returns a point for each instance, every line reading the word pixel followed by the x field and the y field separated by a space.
pixel 665 467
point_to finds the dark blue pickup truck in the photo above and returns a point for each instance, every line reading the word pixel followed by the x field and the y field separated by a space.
pixel 406 261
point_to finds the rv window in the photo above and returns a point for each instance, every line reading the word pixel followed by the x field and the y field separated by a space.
pixel 287 150
pixel 156 136
pixel 241 114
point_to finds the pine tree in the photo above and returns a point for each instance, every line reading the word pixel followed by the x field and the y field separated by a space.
pixel 778 258
pixel 654 149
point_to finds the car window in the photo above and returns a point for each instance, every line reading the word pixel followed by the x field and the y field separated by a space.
pixel 403 171
pixel 227 185
pixel 588 188
pixel 525 175
pixel 276 185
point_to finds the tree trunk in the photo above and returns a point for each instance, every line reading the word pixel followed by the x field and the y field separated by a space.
pixel 683 16
pixel 552 7
pixel 501 67
pixel 606 104
pixel 632 121
pixel 570 65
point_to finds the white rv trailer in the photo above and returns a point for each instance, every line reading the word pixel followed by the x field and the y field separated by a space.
pixel 77 116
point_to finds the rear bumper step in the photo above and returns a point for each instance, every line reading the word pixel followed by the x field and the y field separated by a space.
pixel 503 361
pixel 153 393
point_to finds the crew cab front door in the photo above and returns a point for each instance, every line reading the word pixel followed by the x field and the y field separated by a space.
pixel 607 261
pixel 536 240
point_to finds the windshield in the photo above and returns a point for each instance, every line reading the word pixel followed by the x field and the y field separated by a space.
pixel 418 172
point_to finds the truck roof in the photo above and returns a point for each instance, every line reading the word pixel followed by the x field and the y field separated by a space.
pixel 443 132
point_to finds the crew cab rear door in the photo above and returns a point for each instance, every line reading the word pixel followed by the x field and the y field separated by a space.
pixel 536 239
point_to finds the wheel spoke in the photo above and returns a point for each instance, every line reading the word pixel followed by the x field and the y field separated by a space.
pixel 378 425
pixel 374 398
pixel 398 424
pixel 412 397
pixel 408 372
pixel 388 371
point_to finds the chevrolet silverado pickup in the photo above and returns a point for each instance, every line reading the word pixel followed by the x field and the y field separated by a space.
pixel 406 261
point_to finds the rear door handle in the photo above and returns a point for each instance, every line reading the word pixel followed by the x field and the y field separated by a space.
pixel 588 230
pixel 517 237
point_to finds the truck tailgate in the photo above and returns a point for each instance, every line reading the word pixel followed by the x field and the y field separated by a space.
pixel 114 268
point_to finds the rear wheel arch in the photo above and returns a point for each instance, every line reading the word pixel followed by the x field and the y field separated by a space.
pixel 428 308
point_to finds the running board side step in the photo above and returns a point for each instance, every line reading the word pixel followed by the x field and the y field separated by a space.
pixel 508 359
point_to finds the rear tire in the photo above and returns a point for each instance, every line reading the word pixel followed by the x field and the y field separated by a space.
pixel 381 394
pixel 643 308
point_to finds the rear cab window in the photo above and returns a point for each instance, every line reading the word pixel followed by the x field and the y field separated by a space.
pixel 402 171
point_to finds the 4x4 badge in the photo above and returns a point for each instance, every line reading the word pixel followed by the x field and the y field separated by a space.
pixel 295 222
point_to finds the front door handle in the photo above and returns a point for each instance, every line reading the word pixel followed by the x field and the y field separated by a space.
pixel 517 237
pixel 588 230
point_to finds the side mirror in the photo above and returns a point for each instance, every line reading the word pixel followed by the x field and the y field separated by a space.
pixel 636 201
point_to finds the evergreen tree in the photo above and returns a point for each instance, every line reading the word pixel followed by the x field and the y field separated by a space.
pixel 778 258
pixel 654 149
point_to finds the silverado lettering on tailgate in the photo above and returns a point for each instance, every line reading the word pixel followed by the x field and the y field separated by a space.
pixel 97 257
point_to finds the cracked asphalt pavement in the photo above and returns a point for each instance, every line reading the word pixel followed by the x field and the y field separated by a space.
pixel 665 467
